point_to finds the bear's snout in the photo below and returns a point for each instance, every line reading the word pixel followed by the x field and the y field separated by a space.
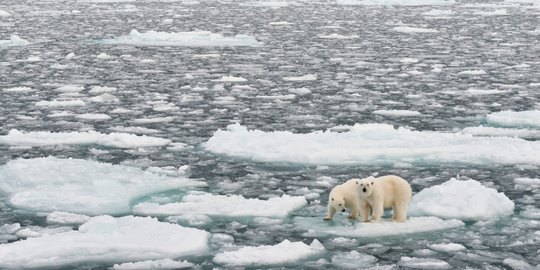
pixel 343 210
pixel 364 189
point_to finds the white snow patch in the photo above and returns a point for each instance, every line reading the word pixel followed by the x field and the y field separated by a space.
pixel 80 186
pixel 404 113
pixel 423 263
pixel 466 200
pixel 394 2
pixel 117 140
pixel 308 77
pixel 106 239
pixel 343 227
pixel 224 205
pixel 153 264
pixel 408 29
pixel 284 252
pixel 371 144
pixel 14 41
pixel 188 39
pixel 514 119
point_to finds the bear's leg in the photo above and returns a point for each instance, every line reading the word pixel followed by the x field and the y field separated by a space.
pixel 354 213
pixel 400 213
pixel 378 211
pixel 331 212
pixel 364 212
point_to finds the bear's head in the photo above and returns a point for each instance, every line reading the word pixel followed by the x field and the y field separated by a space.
pixel 365 186
pixel 338 203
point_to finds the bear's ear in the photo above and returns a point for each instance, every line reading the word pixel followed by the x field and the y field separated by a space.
pixel 357 182
pixel 332 199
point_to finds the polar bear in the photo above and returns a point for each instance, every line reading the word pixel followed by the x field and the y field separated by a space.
pixel 387 191
pixel 344 196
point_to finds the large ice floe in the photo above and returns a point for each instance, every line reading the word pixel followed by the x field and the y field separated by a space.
pixel 108 240
pixel 315 226
pixel 186 39
pixel 465 200
pixel 224 205
pixel 80 186
pixel 116 140
pixel 13 41
pixel 282 253
pixel 374 144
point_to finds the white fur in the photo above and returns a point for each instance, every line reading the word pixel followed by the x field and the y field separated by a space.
pixel 342 197
pixel 388 191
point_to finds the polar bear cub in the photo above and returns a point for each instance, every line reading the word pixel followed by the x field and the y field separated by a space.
pixel 387 191
pixel 342 197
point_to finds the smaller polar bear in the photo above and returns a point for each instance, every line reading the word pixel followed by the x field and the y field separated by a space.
pixel 344 196
pixel 387 191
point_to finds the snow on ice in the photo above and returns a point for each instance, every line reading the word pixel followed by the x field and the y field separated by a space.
pixel 529 119
pixel 224 205
pixel 116 140
pixel 108 240
pixel 315 226
pixel 371 144
pixel 284 252
pixel 80 186
pixel 189 39
pixel 13 41
pixel 466 200
pixel 154 264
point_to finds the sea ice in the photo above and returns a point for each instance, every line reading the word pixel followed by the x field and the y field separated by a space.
pixel 524 133
pixel 61 103
pixel 80 186
pixel 450 247
pixel 465 200
pixel 20 89
pixel 13 41
pixel 514 119
pixel 371 144
pixel 353 260
pixel 284 252
pixel 116 140
pixel 308 77
pixel 224 205
pixel 189 39
pixel 408 29
pixel 397 113
pixel 153 264
pixel 343 227
pixel 58 217
pixel 4 13
pixel 394 2
pixel 423 263
pixel 105 239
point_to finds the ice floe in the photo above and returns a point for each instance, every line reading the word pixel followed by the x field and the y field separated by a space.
pixel 408 29
pixel 395 2
pixel 353 260
pixel 224 205
pixel 404 113
pixel 154 264
pixel 514 119
pixel 116 140
pixel 308 77
pixel 106 239
pixel 450 247
pixel 371 144
pixel 461 199
pixel 282 253
pixel 13 41
pixel 524 133
pixel 423 263
pixel 61 103
pixel 188 39
pixel 4 13
pixel 58 217
pixel 20 89
pixel 315 226
pixel 80 186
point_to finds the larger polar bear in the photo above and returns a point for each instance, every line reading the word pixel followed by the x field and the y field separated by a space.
pixel 387 191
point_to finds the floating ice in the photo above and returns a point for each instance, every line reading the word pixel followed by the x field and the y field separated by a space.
pixel 343 227
pixel 284 252
pixel 465 200
pixel 14 41
pixel 222 205
pixel 423 263
pixel 407 29
pixel 473 72
pixel 80 186
pixel 498 12
pixel 404 113
pixel 437 12
pixel 371 144
pixel 483 92
pixel 58 217
pixel 21 89
pixel 188 39
pixel 94 116
pixel 151 265
pixel 36 231
pixel 338 36
pixel 117 140
pixel 4 13
pixel 106 239
pixel 450 247
pixel 507 132
pixel 514 119
pixel 102 89
pixel 394 2
pixel 266 3
pixel 70 88
pixel 353 260
pixel 308 77
pixel 61 103
pixel 230 79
